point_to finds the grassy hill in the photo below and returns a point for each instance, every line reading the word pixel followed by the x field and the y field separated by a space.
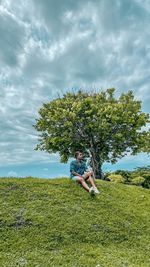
pixel 55 222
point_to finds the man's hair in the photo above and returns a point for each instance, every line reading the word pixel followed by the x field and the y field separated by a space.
pixel 77 153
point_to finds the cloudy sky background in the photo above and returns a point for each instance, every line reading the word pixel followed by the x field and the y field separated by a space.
pixel 51 46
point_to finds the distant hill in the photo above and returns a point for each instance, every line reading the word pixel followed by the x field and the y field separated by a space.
pixel 55 222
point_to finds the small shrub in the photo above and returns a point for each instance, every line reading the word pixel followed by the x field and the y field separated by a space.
pixel 139 180
pixel 146 183
pixel 106 175
pixel 116 178
pixel 125 174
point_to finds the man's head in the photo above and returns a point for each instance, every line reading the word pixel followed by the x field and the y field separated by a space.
pixel 78 155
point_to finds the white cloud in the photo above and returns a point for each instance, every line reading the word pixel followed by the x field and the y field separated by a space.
pixel 12 173
pixel 45 48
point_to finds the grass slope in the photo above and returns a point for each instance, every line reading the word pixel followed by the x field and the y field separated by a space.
pixel 56 223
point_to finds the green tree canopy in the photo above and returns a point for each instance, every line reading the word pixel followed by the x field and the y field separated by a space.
pixel 97 122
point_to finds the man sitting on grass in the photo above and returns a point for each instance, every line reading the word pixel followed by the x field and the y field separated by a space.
pixel 80 173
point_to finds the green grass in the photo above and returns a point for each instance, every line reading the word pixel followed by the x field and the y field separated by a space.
pixel 55 222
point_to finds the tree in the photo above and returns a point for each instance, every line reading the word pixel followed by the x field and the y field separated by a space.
pixel 144 168
pixel 108 127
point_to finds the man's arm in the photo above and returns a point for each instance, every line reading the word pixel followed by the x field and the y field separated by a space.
pixel 86 166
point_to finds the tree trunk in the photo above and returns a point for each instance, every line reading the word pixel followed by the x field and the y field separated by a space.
pixel 96 165
pixel 98 171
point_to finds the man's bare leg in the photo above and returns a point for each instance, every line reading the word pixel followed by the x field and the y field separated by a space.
pixel 81 181
pixel 84 184
pixel 88 177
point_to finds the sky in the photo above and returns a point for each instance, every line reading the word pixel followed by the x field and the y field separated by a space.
pixel 52 46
